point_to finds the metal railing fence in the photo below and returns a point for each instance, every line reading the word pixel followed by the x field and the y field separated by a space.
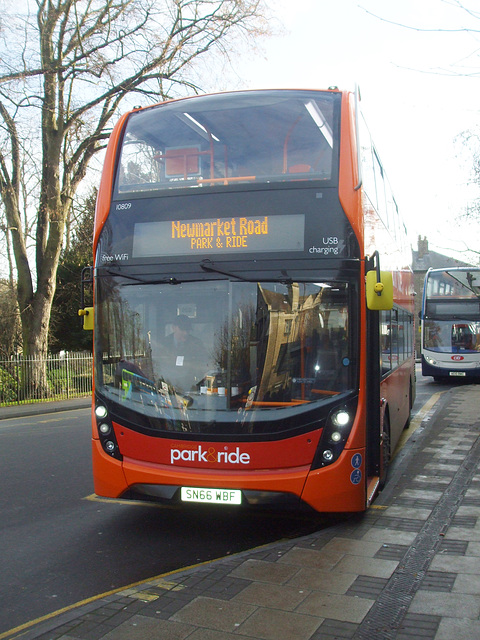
pixel 65 375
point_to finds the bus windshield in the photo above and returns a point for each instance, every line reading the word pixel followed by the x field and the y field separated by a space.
pixel 257 136
pixel 447 336
pixel 221 356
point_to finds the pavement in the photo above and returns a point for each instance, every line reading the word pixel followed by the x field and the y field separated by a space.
pixel 36 408
pixel 409 568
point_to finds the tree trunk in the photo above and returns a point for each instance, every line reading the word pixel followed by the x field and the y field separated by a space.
pixel 35 323
pixel 36 308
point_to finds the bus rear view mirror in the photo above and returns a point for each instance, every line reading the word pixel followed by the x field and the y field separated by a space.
pixel 87 315
pixel 379 292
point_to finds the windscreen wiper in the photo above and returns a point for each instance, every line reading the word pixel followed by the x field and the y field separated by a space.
pixel 138 279
pixel 208 266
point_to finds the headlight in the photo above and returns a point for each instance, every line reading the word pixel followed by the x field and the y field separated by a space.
pixel 101 411
pixel 335 434
pixel 341 418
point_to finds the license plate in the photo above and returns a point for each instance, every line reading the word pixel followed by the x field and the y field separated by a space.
pixel 458 374
pixel 215 496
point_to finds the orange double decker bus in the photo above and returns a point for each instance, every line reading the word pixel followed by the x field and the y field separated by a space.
pixel 247 347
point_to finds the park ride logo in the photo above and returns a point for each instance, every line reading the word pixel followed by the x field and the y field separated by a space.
pixel 209 455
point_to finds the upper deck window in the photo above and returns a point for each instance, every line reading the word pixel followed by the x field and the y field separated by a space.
pixel 245 137
pixel 454 284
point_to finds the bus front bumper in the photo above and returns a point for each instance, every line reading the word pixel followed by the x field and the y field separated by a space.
pixel 340 487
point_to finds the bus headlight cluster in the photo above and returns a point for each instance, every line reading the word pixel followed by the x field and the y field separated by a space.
pixel 430 360
pixel 106 432
pixel 335 434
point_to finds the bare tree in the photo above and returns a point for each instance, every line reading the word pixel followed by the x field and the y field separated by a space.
pixel 465 20
pixel 64 71
pixel 470 140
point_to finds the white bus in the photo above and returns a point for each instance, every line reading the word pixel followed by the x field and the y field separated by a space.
pixel 451 323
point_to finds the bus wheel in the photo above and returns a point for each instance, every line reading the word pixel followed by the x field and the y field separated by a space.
pixel 385 452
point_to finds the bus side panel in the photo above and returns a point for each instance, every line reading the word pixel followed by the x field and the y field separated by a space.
pixel 340 487
pixel 108 477
pixel 396 390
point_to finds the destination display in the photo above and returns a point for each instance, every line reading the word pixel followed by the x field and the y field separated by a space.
pixel 219 235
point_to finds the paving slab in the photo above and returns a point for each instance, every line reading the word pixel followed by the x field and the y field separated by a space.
pixel 338 607
pixel 299 557
pixel 273 595
pixel 277 573
pixel 223 615
pixel 458 629
pixel 469 565
pixel 272 624
pixel 367 566
pixel 326 581
pixel 467 583
pixel 458 605
pixel 346 546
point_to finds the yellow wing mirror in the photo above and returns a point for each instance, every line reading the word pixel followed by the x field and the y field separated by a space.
pixel 379 290
pixel 87 315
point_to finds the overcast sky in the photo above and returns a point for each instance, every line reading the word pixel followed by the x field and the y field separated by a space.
pixel 420 91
